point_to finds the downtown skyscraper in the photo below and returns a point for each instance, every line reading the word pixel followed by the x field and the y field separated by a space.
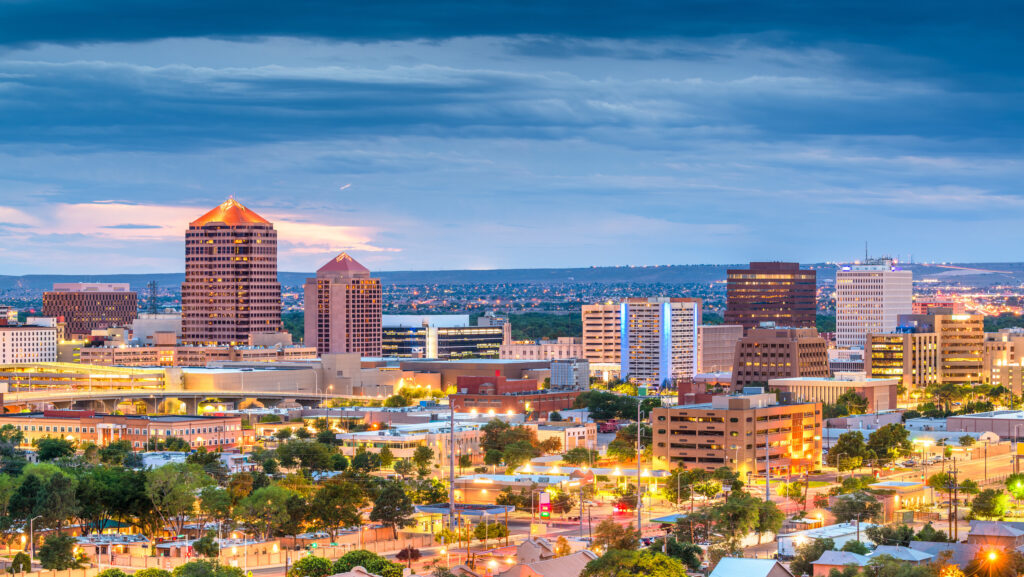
pixel 771 292
pixel 344 307
pixel 231 289
pixel 870 297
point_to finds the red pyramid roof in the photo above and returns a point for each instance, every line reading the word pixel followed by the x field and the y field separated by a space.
pixel 232 213
pixel 344 263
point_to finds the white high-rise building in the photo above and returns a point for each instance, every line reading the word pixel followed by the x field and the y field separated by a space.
pixel 869 299
pixel 659 339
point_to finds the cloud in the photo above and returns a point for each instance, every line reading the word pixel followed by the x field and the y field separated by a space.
pixel 130 226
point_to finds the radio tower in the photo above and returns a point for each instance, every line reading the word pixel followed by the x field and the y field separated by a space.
pixel 151 303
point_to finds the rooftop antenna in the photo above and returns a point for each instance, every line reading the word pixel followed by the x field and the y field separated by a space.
pixel 865 252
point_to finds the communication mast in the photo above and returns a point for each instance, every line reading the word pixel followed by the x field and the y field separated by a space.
pixel 151 302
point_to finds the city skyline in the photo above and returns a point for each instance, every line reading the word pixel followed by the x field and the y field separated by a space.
pixel 701 134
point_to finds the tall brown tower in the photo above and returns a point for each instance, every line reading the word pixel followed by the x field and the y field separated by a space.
pixel 771 292
pixel 343 307
pixel 230 289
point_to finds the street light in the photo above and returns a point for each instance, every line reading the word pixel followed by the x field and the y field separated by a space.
pixel 31 539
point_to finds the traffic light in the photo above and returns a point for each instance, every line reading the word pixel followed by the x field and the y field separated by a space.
pixel 545 505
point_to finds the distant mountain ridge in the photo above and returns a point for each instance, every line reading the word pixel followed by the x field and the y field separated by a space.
pixel 971 274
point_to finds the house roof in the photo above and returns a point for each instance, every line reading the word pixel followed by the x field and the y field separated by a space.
pixel 901 553
pixel 232 213
pixel 841 558
pixel 733 566
pixel 568 566
pixel 344 263
pixel 994 529
pixel 962 553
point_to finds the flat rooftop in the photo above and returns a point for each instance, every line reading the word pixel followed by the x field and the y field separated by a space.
pixel 830 531
pixel 993 415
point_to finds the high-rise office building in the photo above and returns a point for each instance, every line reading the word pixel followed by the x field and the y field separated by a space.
pixel 768 352
pixel 908 354
pixel 230 289
pixel 940 347
pixel 86 307
pixel 344 308
pixel 658 339
pixel 601 334
pixel 870 298
pixel 771 292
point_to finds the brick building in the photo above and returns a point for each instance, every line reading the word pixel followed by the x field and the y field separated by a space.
pixel 774 353
pixel 86 307
pixel 502 395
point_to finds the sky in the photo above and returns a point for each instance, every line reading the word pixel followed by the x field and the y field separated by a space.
pixel 511 133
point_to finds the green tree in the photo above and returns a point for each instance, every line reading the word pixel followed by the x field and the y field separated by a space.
pixel 404 468
pixel 860 505
pixel 397 401
pixel 857 547
pixel 422 457
pixel 214 505
pixel 808 553
pixel 53 448
pixel 112 573
pixel 172 490
pixel 848 452
pixel 311 566
pixel 465 462
pixel 387 458
pixel 626 563
pixel 154 572
pixel 393 508
pixel 206 546
pixel 20 563
pixel 336 504
pixel 610 535
pixel 966 441
pixel 689 553
pixel 117 453
pixel 370 561
pixel 518 453
pixel 896 535
pixel 58 552
pixel 769 519
pixel 485 531
pixel 204 568
pixel 58 502
pixel 889 442
pixel 1015 485
pixel 266 510
pixel 929 533
pixel 735 518
pixel 580 456
pixel 990 503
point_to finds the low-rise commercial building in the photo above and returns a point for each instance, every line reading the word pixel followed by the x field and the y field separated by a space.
pixel 880 393
pixel 212 433
pixel 560 348
pixel 190 356
pixel 747 433
pixel 570 435
pixel 403 440
pixel 910 355
pixel 440 337
pixel 571 373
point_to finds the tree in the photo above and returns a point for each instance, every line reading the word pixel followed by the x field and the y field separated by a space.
pixel 370 561
pixel 793 491
pixel 1015 485
pixel 303 433
pixel 857 547
pixel 397 401
pixel 610 535
pixel 387 458
pixel 58 553
pixel 154 572
pixel 336 504
pixel 311 566
pixel 112 573
pixel 990 503
pixel 808 553
pixel 53 448
pixel 562 547
pixel 626 563
pixel 214 505
pixel 117 453
pixel 422 457
pixel 769 519
pixel 408 554
pixel 206 546
pixel 929 533
pixel 580 456
pixel 283 433
pixel 966 441
pixel 518 453
pixel 20 564
pixel 203 568
pixel 555 417
pixel 58 503
pixel 889 442
pixel 897 535
pixel 969 487
pixel 266 510
pixel 857 505
pixel 172 489
pixel 404 468
pixel 550 446
pixel 848 451
pixel 689 553
pixel 465 462
pixel 484 531
pixel 393 508
pixel 736 517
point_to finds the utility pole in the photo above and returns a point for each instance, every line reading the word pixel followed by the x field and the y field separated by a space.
pixel 451 468
pixel 956 497
pixel 639 458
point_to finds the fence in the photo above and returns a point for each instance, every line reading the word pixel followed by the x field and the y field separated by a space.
pixel 65 573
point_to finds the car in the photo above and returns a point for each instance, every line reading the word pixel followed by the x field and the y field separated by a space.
pixel 909 463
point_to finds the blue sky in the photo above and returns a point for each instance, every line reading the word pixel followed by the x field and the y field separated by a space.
pixel 427 135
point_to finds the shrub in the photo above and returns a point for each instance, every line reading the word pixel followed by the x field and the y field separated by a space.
pixel 112 573
pixel 311 566
pixel 154 572
pixel 20 564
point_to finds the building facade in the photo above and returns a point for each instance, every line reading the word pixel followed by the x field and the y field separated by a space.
pixel 771 292
pixel 570 373
pixel 601 333
pixel 85 307
pixel 343 306
pixel 658 339
pixel 747 433
pixel 880 393
pixel 230 289
pixel 869 299
pixel 923 306
pixel 716 347
pixel 441 337
pixel 767 353
pixel 561 348
pixel 28 344
pixel 907 355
